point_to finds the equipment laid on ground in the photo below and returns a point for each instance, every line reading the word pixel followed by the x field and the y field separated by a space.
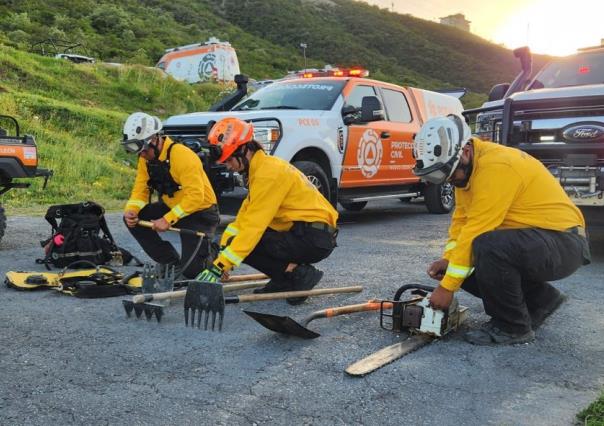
pixel 208 297
pixel 424 323
pixel 148 302
pixel 95 282
pixel 287 325
pixel 81 234
pixel 18 159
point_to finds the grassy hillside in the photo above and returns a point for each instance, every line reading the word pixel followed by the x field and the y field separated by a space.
pixel 76 113
pixel 267 34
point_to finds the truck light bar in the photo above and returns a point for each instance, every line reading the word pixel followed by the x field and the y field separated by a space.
pixel 336 72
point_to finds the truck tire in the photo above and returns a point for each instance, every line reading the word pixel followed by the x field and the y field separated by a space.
pixel 353 206
pixel 439 198
pixel 2 222
pixel 316 175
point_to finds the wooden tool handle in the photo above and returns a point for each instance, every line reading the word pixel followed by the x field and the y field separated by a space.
pixel 153 297
pixel 307 293
pixel 245 277
pixel 372 305
pixel 147 224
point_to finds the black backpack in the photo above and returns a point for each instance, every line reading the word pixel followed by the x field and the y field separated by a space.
pixel 81 235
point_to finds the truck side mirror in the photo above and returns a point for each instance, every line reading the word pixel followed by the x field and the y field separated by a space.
pixel 371 109
pixel 498 91
pixel 349 114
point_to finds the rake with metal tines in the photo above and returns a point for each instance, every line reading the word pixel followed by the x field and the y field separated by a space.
pixel 203 296
pixel 142 303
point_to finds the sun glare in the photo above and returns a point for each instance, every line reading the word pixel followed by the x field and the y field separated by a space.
pixel 553 27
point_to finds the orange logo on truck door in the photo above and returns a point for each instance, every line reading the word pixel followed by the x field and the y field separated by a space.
pixel 369 153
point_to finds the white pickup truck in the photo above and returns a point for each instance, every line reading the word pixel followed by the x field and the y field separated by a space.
pixel 350 135
pixel 557 116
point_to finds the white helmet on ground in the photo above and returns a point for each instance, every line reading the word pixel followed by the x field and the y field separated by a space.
pixel 437 147
pixel 139 128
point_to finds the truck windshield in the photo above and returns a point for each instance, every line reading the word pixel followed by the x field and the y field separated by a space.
pixel 577 70
pixel 311 95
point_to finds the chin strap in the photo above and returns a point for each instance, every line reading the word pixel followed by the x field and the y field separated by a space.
pixel 467 169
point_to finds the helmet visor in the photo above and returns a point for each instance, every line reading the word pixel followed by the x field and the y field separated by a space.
pixel 136 146
pixel 436 177
pixel 437 173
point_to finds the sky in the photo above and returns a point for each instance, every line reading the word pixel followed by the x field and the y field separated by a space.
pixel 553 27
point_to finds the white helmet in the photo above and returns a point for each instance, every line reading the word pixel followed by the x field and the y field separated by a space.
pixel 139 128
pixel 437 147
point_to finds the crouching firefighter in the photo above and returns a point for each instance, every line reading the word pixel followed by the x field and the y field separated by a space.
pixel 513 230
pixel 186 198
pixel 283 226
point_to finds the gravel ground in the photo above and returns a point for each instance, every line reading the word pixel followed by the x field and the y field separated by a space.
pixel 72 361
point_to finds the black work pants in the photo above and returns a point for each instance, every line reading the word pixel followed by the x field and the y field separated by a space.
pixel 162 251
pixel 302 244
pixel 512 267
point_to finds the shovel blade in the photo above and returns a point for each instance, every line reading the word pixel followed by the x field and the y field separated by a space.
pixel 284 325
pixel 207 298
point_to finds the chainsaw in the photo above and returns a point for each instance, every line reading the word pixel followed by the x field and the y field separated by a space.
pixel 415 316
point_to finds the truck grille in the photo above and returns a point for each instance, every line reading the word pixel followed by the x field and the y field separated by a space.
pixel 194 131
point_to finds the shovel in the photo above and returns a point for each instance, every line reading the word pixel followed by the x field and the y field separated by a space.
pixel 203 296
pixel 287 325
pixel 144 302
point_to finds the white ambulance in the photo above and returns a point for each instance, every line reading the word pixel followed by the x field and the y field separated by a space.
pixel 213 60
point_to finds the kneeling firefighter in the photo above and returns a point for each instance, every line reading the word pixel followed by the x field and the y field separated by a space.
pixel 513 230
pixel 186 197
pixel 283 226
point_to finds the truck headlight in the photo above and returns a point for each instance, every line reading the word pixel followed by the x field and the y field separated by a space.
pixel 267 134
pixel 488 126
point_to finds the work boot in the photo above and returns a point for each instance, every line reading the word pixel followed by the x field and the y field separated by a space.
pixel 491 335
pixel 304 277
pixel 274 286
pixel 541 313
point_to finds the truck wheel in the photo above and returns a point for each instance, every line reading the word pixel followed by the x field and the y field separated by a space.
pixel 2 222
pixel 316 175
pixel 439 198
pixel 352 206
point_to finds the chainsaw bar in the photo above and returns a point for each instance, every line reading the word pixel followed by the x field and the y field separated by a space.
pixel 388 354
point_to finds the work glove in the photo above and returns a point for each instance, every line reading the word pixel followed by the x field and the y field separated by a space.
pixel 211 274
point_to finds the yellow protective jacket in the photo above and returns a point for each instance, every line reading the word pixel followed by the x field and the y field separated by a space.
pixel 195 191
pixel 508 189
pixel 279 195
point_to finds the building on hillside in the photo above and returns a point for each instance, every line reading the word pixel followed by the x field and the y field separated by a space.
pixel 458 21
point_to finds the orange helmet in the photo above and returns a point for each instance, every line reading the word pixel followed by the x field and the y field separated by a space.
pixel 229 134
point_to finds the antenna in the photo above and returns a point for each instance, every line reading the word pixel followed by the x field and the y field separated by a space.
pixel 304 46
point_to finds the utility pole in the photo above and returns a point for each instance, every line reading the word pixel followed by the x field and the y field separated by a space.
pixel 304 46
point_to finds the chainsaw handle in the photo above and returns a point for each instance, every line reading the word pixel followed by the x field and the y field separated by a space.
pixel 406 287
pixel 168 295
pixel 147 224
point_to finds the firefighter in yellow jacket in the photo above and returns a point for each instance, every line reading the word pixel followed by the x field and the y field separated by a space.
pixel 513 229
pixel 186 198
pixel 283 226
